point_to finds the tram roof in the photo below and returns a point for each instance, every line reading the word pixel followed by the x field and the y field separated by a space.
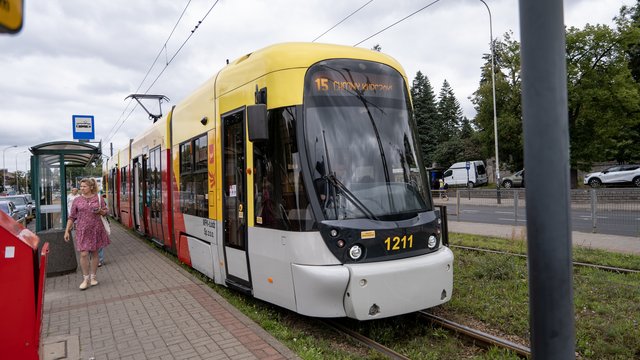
pixel 74 153
pixel 301 54
pixel 292 55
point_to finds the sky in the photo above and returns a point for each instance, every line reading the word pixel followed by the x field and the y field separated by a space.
pixel 76 57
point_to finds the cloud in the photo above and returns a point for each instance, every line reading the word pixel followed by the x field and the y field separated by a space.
pixel 85 57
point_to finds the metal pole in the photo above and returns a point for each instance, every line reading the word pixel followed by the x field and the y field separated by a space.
pixel 516 195
pixel 16 176
pixel 546 151
pixel 495 114
pixel 26 183
pixel 593 210
pixel 4 169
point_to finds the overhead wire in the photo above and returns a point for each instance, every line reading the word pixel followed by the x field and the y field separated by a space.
pixel 341 21
pixel 397 22
pixel 181 46
pixel 163 48
pixel 167 62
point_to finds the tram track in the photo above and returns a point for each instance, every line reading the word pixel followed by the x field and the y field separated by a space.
pixel 575 263
pixel 370 343
pixel 478 337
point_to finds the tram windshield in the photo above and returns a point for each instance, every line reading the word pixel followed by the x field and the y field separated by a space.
pixel 361 143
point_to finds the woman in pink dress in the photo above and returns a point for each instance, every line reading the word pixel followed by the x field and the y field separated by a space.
pixel 90 233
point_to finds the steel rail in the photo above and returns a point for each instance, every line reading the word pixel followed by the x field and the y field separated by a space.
pixel 477 335
pixel 600 267
pixel 366 341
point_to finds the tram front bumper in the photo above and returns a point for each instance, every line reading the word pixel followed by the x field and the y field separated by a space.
pixel 389 288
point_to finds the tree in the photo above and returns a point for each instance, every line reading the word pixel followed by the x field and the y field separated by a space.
pixel 629 24
pixel 449 111
pixel 451 147
pixel 604 99
pixel 426 115
pixel 508 104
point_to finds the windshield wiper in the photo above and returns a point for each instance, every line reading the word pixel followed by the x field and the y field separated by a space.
pixel 351 197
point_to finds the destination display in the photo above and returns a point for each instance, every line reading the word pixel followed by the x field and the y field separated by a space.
pixel 327 81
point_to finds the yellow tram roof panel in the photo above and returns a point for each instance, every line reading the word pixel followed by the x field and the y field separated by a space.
pixel 294 55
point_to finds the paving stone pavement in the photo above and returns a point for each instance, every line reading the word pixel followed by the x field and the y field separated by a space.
pixel 146 307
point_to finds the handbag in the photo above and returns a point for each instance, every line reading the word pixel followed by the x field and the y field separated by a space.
pixel 105 221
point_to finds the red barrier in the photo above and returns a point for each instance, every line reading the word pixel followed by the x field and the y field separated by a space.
pixel 22 280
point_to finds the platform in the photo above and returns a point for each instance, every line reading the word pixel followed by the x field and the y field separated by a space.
pixel 146 307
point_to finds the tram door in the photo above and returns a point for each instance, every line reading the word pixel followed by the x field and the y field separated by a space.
pixel 235 201
pixel 114 187
pixel 138 193
pixel 153 194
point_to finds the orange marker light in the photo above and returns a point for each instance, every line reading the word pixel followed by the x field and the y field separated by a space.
pixel 270 280
pixel 248 171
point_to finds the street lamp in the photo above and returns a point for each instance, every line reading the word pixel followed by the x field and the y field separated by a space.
pixel 26 169
pixel 4 169
pixel 495 116
pixel 25 173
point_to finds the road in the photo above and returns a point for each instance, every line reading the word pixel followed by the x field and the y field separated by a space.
pixel 612 222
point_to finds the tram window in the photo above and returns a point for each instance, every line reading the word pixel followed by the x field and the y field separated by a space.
pixel 193 177
pixel 123 184
pixel 186 159
pixel 280 198
pixel 200 152
pixel 154 183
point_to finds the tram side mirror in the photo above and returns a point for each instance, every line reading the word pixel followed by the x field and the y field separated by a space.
pixel 257 122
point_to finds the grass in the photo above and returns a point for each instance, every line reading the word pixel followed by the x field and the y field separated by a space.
pixel 490 292
pixel 494 289
pixel 517 245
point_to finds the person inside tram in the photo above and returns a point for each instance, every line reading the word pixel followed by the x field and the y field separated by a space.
pixel 321 184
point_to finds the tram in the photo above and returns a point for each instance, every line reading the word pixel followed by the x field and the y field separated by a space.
pixel 294 175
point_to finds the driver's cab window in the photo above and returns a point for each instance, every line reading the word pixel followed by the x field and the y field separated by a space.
pixel 280 197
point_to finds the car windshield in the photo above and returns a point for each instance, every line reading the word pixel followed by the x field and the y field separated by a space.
pixel 4 207
pixel 18 200
pixel 360 142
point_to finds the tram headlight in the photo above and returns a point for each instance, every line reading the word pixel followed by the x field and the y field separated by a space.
pixel 355 252
pixel 333 232
pixel 432 242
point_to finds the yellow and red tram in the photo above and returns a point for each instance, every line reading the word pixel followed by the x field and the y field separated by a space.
pixel 294 175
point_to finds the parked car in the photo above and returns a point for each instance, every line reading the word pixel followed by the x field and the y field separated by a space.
pixel 9 208
pixel 515 180
pixel 457 174
pixel 22 205
pixel 615 175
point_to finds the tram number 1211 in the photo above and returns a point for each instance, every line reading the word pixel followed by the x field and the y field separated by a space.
pixel 398 243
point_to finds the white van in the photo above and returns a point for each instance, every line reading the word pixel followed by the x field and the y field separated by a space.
pixel 457 174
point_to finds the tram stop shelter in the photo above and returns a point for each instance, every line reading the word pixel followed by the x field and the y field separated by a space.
pixel 49 162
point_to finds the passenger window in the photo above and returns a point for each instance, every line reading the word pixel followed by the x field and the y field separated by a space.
pixel 193 177
pixel 154 184
pixel 123 184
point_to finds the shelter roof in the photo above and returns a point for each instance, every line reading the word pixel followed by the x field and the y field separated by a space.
pixel 74 153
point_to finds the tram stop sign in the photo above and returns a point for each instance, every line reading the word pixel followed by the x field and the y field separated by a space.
pixel 83 127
